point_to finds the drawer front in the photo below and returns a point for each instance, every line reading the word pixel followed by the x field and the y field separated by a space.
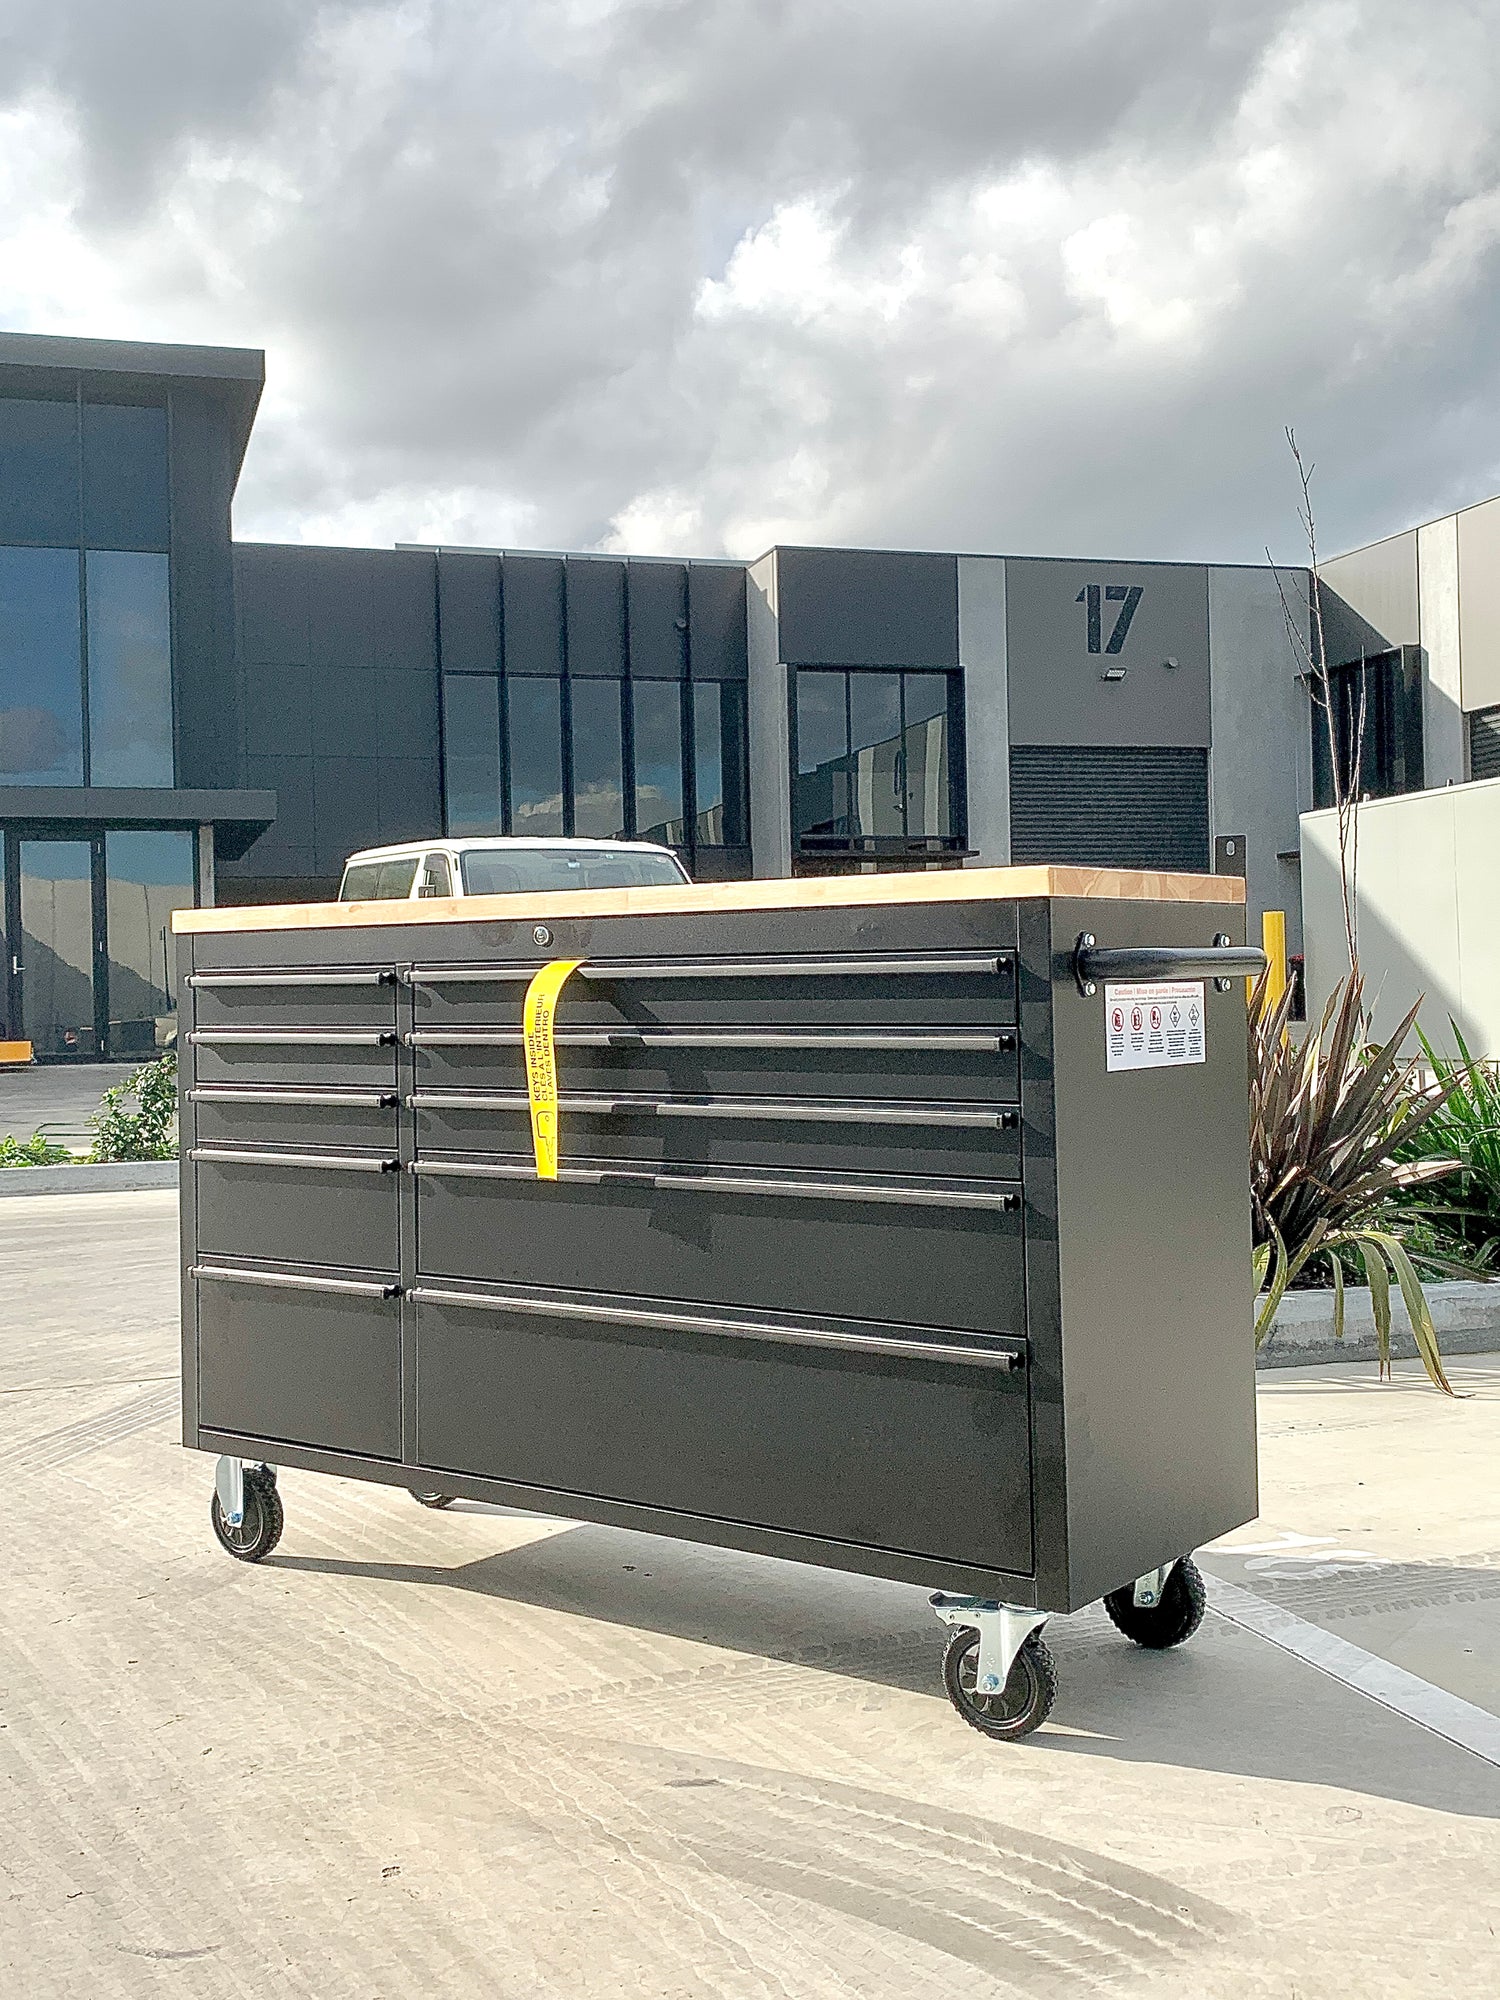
pixel 930 1457
pixel 336 997
pixel 963 1141
pixel 310 1364
pixel 298 1209
pixel 977 1068
pixel 242 1115
pixel 347 1058
pixel 939 989
pixel 857 1258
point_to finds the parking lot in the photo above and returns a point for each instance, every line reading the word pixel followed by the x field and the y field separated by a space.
pixel 485 1752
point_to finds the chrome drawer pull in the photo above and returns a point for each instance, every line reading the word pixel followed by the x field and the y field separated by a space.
pixel 621 970
pixel 303 1038
pixel 292 1281
pixel 211 980
pixel 329 1162
pixel 239 1093
pixel 792 1190
pixel 1002 1358
pixel 719 1038
pixel 809 1111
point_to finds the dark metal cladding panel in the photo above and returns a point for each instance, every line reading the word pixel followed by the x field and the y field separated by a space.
pixel 886 1142
pixel 838 1447
pixel 1153 1233
pixel 532 600
pixel 469 613
pixel 658 614
pixel 325 1215
pixel 315 1368
pixel 271 584
pixel 205 681
pixel 594 589
pixel 717 639
pixel 875 1260
pixel 867 608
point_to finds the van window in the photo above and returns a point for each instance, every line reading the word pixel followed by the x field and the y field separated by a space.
pixel 377 881
pixel 437 878
pixel 495 874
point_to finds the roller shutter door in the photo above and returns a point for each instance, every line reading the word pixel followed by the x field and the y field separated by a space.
pixel 1095 806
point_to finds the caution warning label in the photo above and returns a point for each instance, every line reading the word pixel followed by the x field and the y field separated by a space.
pixel 1154 1025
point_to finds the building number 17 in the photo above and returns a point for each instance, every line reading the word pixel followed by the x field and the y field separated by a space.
pixel 1126 595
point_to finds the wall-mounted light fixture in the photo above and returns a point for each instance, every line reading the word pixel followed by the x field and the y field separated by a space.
pixel 1114 673
pixel 1170 660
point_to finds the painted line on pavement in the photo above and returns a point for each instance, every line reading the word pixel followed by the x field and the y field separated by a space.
pixel 1405 1694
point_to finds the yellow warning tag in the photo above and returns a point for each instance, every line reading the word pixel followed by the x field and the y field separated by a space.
pixel 541 1060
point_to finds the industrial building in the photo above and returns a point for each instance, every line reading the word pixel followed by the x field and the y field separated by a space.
pixel 186 718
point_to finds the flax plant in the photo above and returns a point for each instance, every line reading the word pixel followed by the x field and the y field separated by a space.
pixel 1326 1123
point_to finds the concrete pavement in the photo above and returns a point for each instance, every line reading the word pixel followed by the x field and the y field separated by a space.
pixel 490 1753
pixel 59 1097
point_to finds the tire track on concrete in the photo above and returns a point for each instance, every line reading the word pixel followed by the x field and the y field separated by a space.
pixel 54 1449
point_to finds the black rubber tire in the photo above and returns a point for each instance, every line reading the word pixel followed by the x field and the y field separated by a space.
pixel 436 1501
pixel 260 1530
pixel 1170 1623
pixel 1022 1705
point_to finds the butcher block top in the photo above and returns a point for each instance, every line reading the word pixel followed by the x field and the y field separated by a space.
pixel 955 885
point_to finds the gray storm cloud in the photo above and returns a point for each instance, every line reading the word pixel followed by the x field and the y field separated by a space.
pixel 713 274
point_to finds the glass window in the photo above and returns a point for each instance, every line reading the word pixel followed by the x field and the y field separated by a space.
pixel 378 881
pixel 822 803
pixel 437 877
pixel 598 760
pixel 708 765
pixel 504 872
pixel 39 473
pixel 534 716
pixel 1377 716
pixel 130 669
pixel 657 708
pixel 41 673
pixel 125 489
pixel 148 875
pixel 875 803
pixel 57 947
pixel 925 754
pixel 471 753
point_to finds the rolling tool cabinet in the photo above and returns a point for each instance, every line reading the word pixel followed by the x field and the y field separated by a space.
pixel 901 1225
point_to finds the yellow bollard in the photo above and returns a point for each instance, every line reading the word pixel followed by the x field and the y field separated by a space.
pixel 1273 943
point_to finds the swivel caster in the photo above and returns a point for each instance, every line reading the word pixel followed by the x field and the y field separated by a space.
pixel 433 1500
pixel 246 1510
pixel 1163 1608
pixel 997 1671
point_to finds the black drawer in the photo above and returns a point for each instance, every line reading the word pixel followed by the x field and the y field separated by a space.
pixel 233 1114
pixel 335 996
pixel 755 1423
pixel 975 1066
pixel 857 989
pixel 936 1254
pixel 346 1058
pixel 961 1140
pixel 298 1208
pixel 307 1359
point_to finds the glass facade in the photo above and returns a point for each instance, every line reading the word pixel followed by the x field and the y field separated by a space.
pixel 85 608
pixel 147 875
pixel 874 760
pixel 1377 728
pixel 56 936
pixel 641 759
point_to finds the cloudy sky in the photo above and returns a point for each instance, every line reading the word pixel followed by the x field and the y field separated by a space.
pixel 702 275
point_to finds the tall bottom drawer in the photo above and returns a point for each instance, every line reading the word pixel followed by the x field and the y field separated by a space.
pixel 924 1456
pixel 311 1361
pixel 925 1265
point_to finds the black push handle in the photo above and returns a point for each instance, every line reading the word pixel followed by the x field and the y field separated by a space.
pixel 1221 962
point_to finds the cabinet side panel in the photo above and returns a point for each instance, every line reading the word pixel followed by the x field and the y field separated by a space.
pixel 1154 1262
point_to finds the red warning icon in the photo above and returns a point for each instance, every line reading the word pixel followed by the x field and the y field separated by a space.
pixel 1137 1020
pixel 1155 1019
pixel 1117 1020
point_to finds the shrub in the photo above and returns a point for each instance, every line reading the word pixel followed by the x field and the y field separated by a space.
pixel 1465 1129
pixel 1327 1122
pixel 149 1131
pixel 37 1151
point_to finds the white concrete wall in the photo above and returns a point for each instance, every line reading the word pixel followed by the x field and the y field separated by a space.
pixel 983 656
pixel 1444 737
pixel 1260 765
pixel 1428 910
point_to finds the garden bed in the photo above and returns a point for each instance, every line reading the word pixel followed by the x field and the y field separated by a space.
pixel 90 1177
pixel 1465 1311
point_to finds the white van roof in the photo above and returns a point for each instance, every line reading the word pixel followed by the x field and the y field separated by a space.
pixel 507 844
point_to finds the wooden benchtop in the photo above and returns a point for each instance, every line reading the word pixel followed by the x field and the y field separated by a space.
pixel 933 885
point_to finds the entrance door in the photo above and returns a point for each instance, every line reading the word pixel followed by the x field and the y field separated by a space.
pixel 53 958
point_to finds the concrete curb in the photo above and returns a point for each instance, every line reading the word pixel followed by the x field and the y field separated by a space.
pixel 105 1177
pixel 1465 1311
